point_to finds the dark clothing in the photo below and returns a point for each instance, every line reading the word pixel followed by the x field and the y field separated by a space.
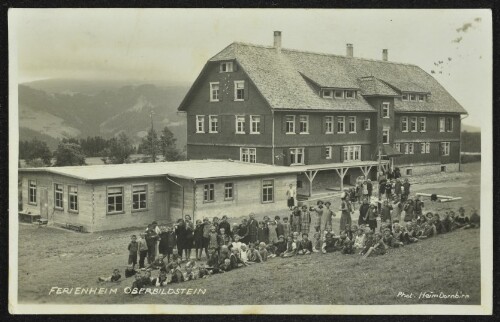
pixel 406 188
pixel 305 245
pixel 369 187
pixel 252 230
pixel 189 241
pixel 261 235
pixel 130 272
pixel 226 226
pixel 177 276
pixel 198 236
pixel 418 207
pixel 132 258
pixel 133 247
pixel 280 230
pixel 280 247
pixel 180 233
pixel 381 188
pixel 385 213
pixel 151 239
pixel 397 188
pixel 142 256
pixel 363 212
pixel 115 278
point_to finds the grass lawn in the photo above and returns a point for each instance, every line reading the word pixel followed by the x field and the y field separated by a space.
pixel 448 263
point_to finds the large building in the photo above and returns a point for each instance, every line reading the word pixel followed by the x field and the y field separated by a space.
pixel 296 108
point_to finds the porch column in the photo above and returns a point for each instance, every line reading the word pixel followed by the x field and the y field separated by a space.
pixel 341 172
pixel 310 175
pixel 365 170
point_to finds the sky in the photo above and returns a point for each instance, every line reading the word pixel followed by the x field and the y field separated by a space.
pixel 172 45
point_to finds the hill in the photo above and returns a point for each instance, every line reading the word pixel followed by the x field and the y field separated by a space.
pixel 60 110
pixel 470 128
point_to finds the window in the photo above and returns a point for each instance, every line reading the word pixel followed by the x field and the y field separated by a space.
pixel 200 124
pixel 352 153
pixel 254 124
pixel 327 94
pixel 366 124
pixel 449 124
pixel 304 124
pixel 428 147
pixel 239 90
pixel 296 156
pixel 139 197
pixel 404 124
pixel 208 192
pixel 214 92
pixel 290 124
pixel 214 124
pixel 421 97
pixel 385 135
pixel 385 110
pixel 228 191
pixel 422 148
pixel 267 191
pixel 226 67
pixel 248 155
pixel 339 94
pixel 422 124
pixel 328 152
pixel 445 148
pixel 328 124
pixel 442 124
pixel 409 172
pixel 240 124
pixel 58 196
pixel 352 124
pixel 425 147
pixel 405 97
pixel 299 184
pixel 412 97
pixel 413 124
pixel 397 147
pixel 350 94
pixel 409 148
pixel 73 198
pixel 341 124
pixel 443 168
pixel 115 200
pixel 32 192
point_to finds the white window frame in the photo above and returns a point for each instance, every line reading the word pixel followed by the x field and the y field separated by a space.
pixel 211 124
pixel 351 153
pixel 404 97
pixel 397 147
pixel 412 97
pixel 32 192
pixel 427 147
pixel 340 120
pixel 413 122
pixel 422 147
pixel 385 110
pixel 421 97
pixel 255 120
pixel 248 155
pixel 329 152
pixel 294 156
pixel 115 195
pixel 404 124
pixel 422 124
pixel 352 120
pixel 350 92
pixel 140 194
pixel 73 198
pixel 291 129
pixel 58 196
pixel 335 93
pixel 200 120
pixel 238 122
pixel 411 148
pixel 303 124
pixel 214 93
pixel 228 67
pixel 386 129
pixel 236 89
pixel 445 148
pixel 327 93
pixel 367 124
pixel 208 192
pixel 228 191
pixel 451 123
pixel 442 124
pixel 267 191
pixel 329 124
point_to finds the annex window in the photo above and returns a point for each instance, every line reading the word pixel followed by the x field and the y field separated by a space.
pixel 413 124
pixel 228 191
pixel 226 67
pixel 254 124
pixel 350 94
pixel 214 124
pixel 58 196
pixel 328 124
pixel 327 93
pixel 73 198
pixel 352 124
pixel 267 191
pixel 304 124
pixel 422 124
pixel 405 97
pixel 328 152
pixel 425 147
pixel 200 124
pixel 208 192
pixel 421 97
pixel 449 124
pixel 397 147
pixel 385 135
pixel 248 155
pixel 296 156
pixel 214 92
pixel 445 148
pixel 412 97
pixel 385 110
pixel 139 197
pixel 404 124
pixel 409 172
pixel 367 124
pixel 442 124
pixel 290 124
pixel 32 192
pixel 239 90
pixel 240 124
pixel 339 94
pixel 409 148
pixel 341 124
pixel 352 153
pixel 115 200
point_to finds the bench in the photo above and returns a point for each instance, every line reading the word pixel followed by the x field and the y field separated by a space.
pixel 74 227
pixel 42 222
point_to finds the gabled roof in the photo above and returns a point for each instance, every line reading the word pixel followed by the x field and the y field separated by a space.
pixel 195 170
pixel 290 79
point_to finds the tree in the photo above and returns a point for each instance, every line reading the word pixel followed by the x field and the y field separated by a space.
pixel 168 146
pixel 150 145
pixel 119 150
pixel 35 153
pixel 69 154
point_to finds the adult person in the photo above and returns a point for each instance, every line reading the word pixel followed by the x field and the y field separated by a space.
pixel 223 223
pixel 382 181
pixel 189 236
pixel 327 217
pixel 419 205
pixel 151 240
pixel 397 209
pixel 291 195
pixel 398 188
pixel 345 217
pixel 158 232
pixel 363 213
pixel 243 231
pixel 280 230
pixel 180 233
pixel 406 189
pixel 369 187
pixel 253 227
pixel 296 219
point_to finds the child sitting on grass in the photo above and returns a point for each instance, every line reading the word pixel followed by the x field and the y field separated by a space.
pixel 177 276
pixel 344 244
pixel 389 239
pixel 461 220
pixel 253 254
pixel 291 247
pixel 244 254
pixel 316 242
pixel 280 246
pixel 235 259
pixel 130 271
pixel 213 261
pixel 225 266
pixel 115 277
pixel 203 271
pixel 329 243
pixel 263 251
pixel 474 221
pixel 305 245
pixel 161 280
pixel 158 263
pixel 189 275
pixel 378 248
pixel 359 239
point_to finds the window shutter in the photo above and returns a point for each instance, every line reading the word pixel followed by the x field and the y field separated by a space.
pixel 206 122
pixel 286 153
pixel 247 124
pixel 235 66
pixel 220 119
pixel 283 124
pixel 262 123
pixel 297 124
pixel 246 87
pixel 325 154
pixel 323 125
pixel 306 156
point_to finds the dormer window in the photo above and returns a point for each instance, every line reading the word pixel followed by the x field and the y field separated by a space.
pixel 405 97
pixel 350 94
pixel 412 97
pixel 226 67
pixel 339 94
pixel 327 93
pixel 421 97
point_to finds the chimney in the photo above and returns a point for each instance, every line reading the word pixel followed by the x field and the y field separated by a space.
pixel 349 50
pixel 385 54
pixel 277 41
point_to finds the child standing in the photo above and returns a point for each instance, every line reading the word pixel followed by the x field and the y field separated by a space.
pixel 286 227
pixel 198 239
pixel 273 235
pixel 213 240
pixel 261 233
pixel 133 250
pixel 295 219
pixel 305 217
pixel 143 249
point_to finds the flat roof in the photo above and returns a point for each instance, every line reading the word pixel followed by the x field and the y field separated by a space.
pixel 193 169
pixel 331 166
